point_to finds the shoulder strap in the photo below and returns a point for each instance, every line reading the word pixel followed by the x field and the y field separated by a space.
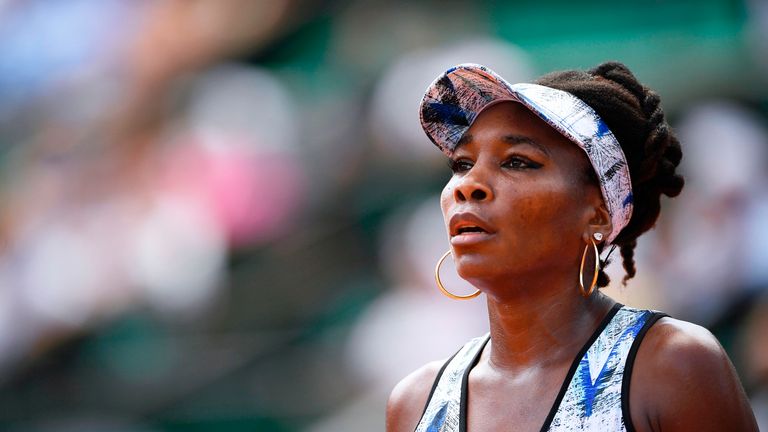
pixel 442 411
pixel 630 364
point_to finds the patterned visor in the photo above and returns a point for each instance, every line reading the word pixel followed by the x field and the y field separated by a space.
pixel 454 100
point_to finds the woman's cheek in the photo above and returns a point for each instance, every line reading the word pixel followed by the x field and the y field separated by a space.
pixel 445 201
pixel 535 206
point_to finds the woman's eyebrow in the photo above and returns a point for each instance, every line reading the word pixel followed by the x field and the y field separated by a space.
pixel 521 139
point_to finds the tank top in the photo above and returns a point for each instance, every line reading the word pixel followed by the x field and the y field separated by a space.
pixel 593 397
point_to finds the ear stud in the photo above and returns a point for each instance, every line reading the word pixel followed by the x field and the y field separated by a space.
pixel 598 236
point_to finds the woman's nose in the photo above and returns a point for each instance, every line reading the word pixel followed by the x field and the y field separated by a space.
pixel 470 188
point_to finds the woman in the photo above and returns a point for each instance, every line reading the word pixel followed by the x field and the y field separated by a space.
pixel 545 177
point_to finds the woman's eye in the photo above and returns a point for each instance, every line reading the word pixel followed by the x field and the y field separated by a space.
pixel 460 165
pixel 520 163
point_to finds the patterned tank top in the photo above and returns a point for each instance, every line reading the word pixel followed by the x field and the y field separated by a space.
pixel 593 397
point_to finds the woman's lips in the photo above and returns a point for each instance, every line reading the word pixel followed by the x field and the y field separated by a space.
pixel 467 228
pixel 470 238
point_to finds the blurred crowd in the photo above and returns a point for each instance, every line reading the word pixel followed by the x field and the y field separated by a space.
pixel 223 215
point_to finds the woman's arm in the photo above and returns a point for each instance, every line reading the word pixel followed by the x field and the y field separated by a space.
pixel 684 381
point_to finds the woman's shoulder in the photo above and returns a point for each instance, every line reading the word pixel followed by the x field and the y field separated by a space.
pixel 683 376
pixel 674 339
pixel 678 349
pixel 409 397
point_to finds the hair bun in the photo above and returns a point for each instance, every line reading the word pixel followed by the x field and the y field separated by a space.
pixel 620 74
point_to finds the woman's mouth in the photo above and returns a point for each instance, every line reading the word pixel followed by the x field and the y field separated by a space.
pixel 469 236
pixel 467 229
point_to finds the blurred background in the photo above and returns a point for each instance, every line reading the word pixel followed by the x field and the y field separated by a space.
pixel 222 215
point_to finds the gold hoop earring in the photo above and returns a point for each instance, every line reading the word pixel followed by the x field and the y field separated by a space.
pixel 584 292
pixel 442 288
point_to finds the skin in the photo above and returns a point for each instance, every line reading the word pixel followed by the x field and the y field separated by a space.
pixel 526 185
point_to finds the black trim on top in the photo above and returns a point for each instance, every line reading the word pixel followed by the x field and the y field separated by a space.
pixel 434 384
pixel 603 324
pixel 630 362
pixel 465 387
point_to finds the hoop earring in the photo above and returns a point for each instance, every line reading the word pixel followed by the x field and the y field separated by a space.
pixel 442 288
pixel 584 292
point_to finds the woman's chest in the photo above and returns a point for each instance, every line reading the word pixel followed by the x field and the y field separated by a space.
pixel 522 403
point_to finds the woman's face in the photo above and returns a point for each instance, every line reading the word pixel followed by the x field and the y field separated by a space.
pixel 519 202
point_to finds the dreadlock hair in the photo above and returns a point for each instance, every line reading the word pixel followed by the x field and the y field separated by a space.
pixel 634 115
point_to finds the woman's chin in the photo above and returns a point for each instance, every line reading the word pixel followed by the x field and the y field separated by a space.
pixel 476 271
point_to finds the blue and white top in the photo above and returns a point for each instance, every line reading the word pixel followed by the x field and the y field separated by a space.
pixel 594 396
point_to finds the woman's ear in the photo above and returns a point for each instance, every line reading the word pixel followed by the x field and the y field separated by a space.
pixel 599 222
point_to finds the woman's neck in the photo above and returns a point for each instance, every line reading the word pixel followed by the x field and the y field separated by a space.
pixel 540 326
